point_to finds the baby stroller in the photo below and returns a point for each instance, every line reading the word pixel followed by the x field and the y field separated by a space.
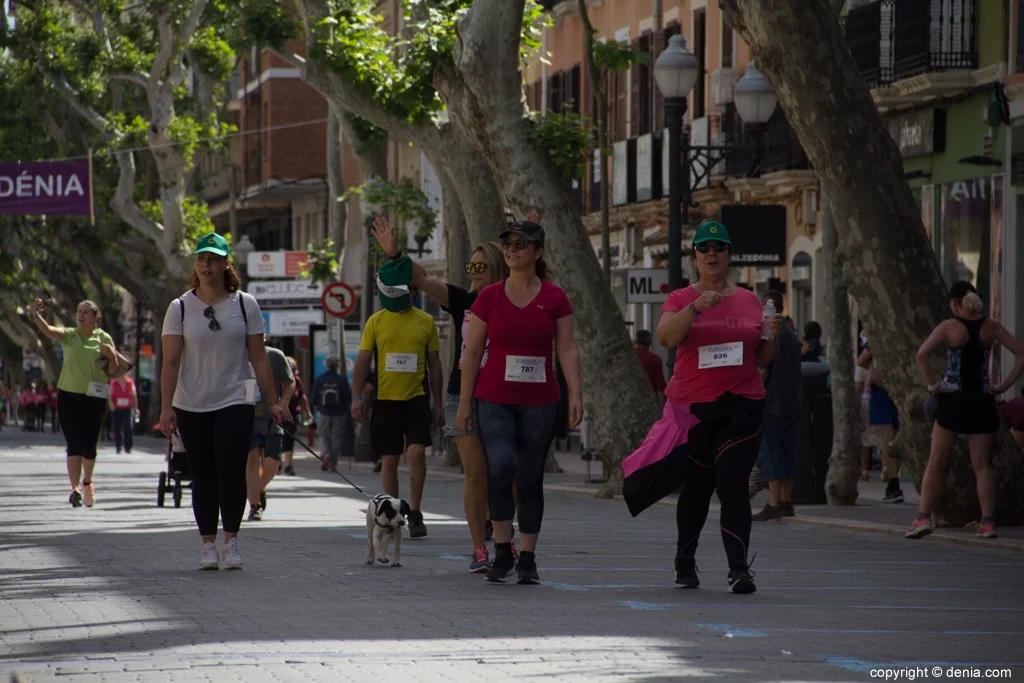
pixel 178 471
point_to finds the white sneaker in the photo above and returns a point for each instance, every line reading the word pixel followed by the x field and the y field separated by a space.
pixel 230 555
pixel 208 557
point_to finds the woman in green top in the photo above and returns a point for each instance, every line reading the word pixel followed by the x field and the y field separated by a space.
pixel 90 359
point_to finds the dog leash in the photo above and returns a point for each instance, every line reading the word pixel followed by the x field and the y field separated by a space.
pixel 302 443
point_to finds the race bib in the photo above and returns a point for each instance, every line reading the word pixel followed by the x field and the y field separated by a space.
pixel 401 362
pixel 123 403
pixel 525 369
pixel 98 390
pixel 720 356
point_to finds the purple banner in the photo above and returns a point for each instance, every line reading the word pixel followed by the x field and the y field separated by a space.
pixel 52 188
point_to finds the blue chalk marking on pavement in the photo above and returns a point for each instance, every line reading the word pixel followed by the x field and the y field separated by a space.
pixel 644 606
pixel 362 536
pixel 734 631
pixel 565 587
pixel 849 664
pixel 453 557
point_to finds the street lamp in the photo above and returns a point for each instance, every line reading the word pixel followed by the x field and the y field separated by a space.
pixel 676 72
pixel 755 103
pixel 242 251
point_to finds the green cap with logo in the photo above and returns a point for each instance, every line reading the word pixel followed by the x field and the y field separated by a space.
pixel 214 244
pixel 711 231
pixel 393 281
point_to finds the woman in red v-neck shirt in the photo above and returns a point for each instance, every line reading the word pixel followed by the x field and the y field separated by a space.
pixel 521 321
pixel 709 435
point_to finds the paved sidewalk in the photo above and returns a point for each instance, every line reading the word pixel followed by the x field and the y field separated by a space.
pixel 111 593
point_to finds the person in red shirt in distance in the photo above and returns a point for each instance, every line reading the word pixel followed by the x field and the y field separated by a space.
pixel 520 321
pixel 710 432
pixel 650 362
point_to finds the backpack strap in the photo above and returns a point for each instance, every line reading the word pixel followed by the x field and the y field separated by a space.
pixel 181 305
pixel 241 305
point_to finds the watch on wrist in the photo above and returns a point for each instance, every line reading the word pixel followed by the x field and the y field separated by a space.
pixel 694 309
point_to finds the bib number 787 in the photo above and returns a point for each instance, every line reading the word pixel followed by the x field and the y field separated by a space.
pixel 529 369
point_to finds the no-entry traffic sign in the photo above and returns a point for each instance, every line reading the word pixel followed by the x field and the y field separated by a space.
pixel 338 300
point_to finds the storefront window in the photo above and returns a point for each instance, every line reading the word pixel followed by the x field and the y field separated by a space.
pixel 965 234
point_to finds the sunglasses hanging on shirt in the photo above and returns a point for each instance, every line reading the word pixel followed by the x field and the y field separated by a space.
pixel 208 313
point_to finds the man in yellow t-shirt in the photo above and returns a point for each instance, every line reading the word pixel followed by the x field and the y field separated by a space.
pixel 405 342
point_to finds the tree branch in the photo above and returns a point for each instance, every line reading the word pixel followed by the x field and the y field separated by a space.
pixel 588 49
pixel 123 202
pixel 95 119
pixel 492 28
pixel 131 77
pixel 163 57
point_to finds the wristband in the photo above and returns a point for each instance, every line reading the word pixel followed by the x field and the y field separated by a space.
pixel 357 398
pixel 694 310
pixel 396 256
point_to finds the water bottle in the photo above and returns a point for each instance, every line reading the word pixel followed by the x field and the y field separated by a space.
pixel 767 318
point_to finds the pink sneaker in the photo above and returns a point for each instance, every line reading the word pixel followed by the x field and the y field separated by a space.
pixel 987 530
pixel 921 527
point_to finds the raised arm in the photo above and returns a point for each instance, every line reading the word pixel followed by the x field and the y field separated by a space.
pixel 425 282
pixel 54 333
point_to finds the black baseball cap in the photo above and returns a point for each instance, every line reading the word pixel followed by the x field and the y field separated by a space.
pixel 528 230
pixel 961 289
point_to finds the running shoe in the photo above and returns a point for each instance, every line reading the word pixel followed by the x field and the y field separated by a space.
pixel 208 556
pixel 75 499
pixel 503 566
pixel 526 568
pixel 417 529
pixel 686 572
pixel 921 527
pixel 255 513
pixel 263 500
pixel 741 580
pixel 987 530
pixel 481 561
pixel 893 495
pixel 787 510
pixel 90 495
pixel 290 471
pixel 231 556
pixel 769 512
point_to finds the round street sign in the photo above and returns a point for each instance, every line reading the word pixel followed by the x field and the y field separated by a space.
pixel 338 300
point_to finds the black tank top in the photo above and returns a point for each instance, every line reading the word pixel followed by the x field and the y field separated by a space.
pixel 967 365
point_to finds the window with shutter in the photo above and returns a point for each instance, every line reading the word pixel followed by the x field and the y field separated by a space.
pixel 555 92
pixel 574 89
pixel 726 45
pixel 700 24
pixel 619 100
pixel 644 76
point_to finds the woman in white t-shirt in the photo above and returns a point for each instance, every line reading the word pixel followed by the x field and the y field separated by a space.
pixel 211 334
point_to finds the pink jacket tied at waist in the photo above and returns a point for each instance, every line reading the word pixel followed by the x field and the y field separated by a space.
pixel 667 434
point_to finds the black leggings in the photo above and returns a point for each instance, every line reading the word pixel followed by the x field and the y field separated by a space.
pixel 720 453
pixel 81 417
pixel 217 444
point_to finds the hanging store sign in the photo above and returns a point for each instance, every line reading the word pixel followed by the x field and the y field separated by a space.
pixel 918 133
pixel 758 234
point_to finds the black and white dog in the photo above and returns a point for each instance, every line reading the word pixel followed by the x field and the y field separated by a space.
pixel 385 519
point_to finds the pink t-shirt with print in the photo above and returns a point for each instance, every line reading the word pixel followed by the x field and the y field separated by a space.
pixel 737 320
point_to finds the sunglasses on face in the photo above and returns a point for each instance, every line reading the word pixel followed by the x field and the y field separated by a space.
pixel 513 243
pixel 712 246
pixel 476 267
pixel 208 313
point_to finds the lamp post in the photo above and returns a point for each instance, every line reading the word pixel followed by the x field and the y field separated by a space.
pixel 755 103
pixel 242 251
pixel 676 73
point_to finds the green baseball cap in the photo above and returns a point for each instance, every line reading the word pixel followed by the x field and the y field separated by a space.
pixel 712 231
pixel 393 281
pixel 214 244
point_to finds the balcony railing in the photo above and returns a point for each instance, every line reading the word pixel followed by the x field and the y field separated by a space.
pixel 780 150
pixel 934 35
pixel 896 39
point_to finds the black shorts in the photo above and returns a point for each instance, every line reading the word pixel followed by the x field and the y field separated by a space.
pixel 393 424
pixel 967 413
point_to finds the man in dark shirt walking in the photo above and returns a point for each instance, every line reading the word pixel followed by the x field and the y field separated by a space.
pixel 651 363
pixel 332 398
pixel 781 420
